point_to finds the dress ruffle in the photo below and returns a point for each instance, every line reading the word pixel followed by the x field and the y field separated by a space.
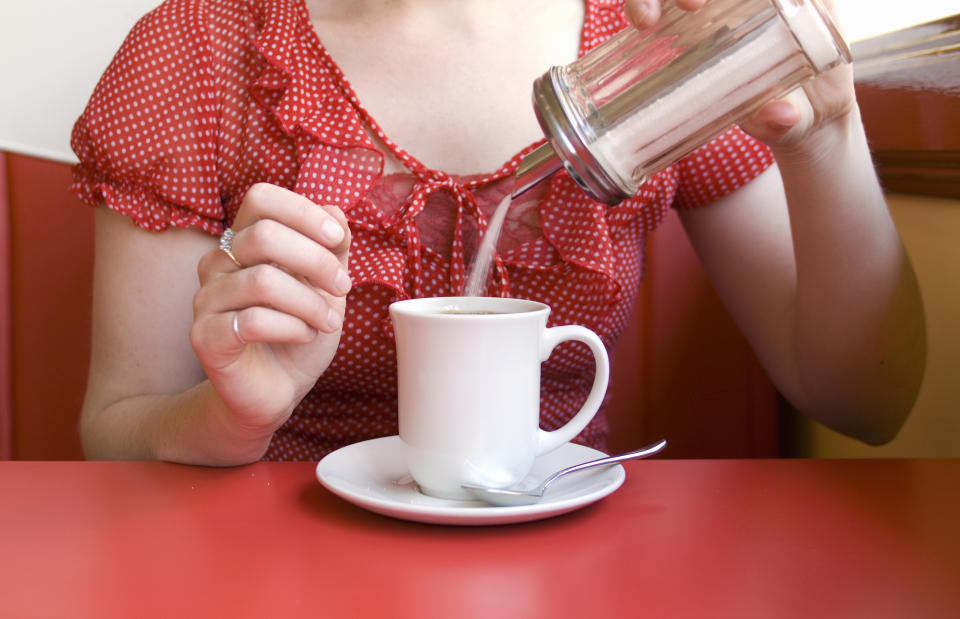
pixel 313 103
pixel 138 159
pixel 299 86
pixel 301 92
pixel 139 202
pixel 296 84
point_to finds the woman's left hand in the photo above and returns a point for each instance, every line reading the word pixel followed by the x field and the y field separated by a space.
pixel 793 122
pixel 787 123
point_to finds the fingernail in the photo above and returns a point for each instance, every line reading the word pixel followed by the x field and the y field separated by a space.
pixel 778 127
pixel 333 320
pixel 332 232
pixel 342 282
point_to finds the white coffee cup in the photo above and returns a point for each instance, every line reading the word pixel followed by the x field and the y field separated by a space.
pixel 469 389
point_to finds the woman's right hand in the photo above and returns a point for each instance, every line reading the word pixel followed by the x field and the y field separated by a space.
pixel 266 329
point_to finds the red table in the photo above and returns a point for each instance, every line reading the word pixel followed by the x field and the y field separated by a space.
pixel 681 538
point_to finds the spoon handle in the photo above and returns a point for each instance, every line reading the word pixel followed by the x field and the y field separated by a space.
pixel 643 452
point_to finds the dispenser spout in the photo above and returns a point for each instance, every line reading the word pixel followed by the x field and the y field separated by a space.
pixel 535 167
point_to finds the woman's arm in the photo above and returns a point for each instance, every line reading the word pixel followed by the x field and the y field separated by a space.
pixel 169 378
pixel 810 264
pixel 807 259
pixel 141 360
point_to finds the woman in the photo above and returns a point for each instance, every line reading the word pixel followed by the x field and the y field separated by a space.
pixel 387 131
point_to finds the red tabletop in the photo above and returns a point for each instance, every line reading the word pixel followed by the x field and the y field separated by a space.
pixel 680 538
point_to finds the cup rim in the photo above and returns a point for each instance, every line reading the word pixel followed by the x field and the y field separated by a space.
pixel 432 305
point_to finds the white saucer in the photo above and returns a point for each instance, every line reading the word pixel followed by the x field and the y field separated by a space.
pixel 373 475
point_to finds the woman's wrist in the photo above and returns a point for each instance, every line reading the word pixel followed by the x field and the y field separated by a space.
pixel 196 427
pixel 828 140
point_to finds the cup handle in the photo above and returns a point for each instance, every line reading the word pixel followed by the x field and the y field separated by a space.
pixel 548 441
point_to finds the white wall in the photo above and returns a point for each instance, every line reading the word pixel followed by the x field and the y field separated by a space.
pixel 866 18
pixel 51 55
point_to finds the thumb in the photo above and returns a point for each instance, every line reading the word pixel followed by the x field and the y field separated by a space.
pixel 776 121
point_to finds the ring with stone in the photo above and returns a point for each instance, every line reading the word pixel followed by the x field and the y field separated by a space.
pixel 226 246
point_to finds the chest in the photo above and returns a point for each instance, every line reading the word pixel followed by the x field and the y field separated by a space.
pixel 454 97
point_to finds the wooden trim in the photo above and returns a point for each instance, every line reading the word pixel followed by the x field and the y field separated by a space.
pixel 6 407
pixel 908 87
pixel 910 47
pixel 934 172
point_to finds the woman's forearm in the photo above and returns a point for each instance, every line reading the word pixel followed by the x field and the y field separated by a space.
pixel 191 427
pixel 859 325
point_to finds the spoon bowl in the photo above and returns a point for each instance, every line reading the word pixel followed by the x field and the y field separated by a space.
pixel 511 496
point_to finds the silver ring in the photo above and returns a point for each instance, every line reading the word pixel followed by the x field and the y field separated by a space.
pixel 236 328
pixel 226 246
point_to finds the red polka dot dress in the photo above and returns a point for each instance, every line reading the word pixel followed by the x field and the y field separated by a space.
pixel 207 97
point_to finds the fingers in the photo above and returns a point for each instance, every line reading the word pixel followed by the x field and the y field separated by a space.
pixel 219 338
pixel 782 121
pixel 281 277
pixel 269 242
pixel 266 286
pixel 278 227
pixel 642 13
pixel 690 5
pixel 772 122
pixel 325 225
pixel 261 324
pixel 646 13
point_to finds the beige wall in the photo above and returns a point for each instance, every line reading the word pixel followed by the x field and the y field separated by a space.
pixel 931 231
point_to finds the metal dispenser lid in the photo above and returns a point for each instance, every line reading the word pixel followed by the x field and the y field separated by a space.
pixel 564 130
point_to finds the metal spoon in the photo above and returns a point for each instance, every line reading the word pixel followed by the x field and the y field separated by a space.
pixel 509 497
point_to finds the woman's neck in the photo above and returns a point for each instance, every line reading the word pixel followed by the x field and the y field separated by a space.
pixel 450 81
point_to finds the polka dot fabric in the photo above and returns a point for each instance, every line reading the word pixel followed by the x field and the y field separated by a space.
pixel 207 97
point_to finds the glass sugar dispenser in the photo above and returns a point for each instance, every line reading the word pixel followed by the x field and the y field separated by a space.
pixel 645 98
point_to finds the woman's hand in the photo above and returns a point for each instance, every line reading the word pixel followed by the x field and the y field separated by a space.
pixel 791 123
pixel 645 13
pixel 266 329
